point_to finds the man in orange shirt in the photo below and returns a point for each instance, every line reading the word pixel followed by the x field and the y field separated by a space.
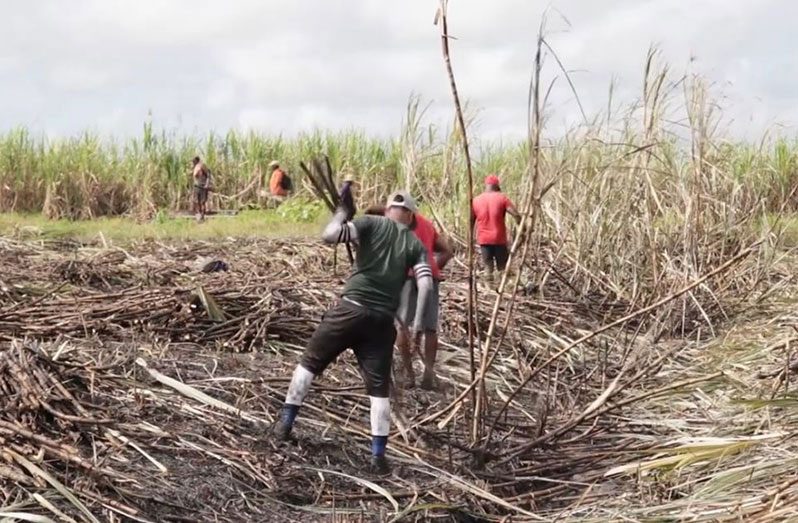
pixel 277 185
pixel 488 211
pixel 438 254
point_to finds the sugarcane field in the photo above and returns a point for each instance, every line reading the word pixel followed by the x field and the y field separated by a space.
pixel 458 263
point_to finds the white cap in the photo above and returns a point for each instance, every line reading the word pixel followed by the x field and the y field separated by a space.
pixel 402 199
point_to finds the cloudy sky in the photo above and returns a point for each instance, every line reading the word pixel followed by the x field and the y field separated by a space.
pixel 291 65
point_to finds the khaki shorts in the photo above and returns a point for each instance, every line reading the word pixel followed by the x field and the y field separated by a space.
pixel 407 308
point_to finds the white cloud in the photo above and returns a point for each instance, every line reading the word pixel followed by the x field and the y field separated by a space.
pixel 222 94
pixel 256 117
pixel 79 77
pixel 109 122
pixel 9 63
pixel 287 66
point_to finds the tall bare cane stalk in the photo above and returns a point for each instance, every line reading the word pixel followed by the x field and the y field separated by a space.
pixel 440 17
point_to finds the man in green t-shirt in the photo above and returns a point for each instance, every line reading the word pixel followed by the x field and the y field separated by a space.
pixel 363 319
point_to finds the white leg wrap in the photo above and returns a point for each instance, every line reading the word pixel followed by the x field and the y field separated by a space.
pixel 380 416
pixel 300 385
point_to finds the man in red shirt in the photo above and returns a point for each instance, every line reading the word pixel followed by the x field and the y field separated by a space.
pixel 438 253
pixel 487 213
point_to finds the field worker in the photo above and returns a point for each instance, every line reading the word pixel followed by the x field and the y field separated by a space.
pixel 202 183
pixel 363 318
pixel 438 253
pixel 488 211
pixel 280 183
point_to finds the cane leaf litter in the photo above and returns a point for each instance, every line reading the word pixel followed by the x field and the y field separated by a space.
pixel 137 386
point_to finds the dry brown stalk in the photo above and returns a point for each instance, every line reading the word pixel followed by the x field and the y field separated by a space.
pixel 472 291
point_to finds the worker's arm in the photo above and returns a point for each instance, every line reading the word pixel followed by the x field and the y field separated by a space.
pixel 423 274
pixel 339 230
pixel 443 251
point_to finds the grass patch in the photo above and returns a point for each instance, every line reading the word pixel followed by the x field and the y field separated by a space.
pixel 247 224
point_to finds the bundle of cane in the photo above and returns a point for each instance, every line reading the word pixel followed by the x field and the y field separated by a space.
pixel 322 180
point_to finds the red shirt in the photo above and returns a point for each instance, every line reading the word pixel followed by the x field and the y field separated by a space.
pixel 426 233
pixel 489 208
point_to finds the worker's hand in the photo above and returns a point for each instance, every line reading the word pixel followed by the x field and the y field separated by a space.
pixel 345 190
pixel 346 199
pixel 341 213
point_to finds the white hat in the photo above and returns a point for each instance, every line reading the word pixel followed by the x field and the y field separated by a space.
pixel 274 163
pixel 402 199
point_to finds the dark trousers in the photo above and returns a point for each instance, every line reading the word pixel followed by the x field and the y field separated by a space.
pixel 369 334
pixel 200 195
pixel 495 253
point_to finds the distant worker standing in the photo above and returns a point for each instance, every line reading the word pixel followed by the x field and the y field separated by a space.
pixel 488 212
pixel 202 184
pixel 280 183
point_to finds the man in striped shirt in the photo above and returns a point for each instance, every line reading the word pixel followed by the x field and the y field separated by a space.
pixel 363 319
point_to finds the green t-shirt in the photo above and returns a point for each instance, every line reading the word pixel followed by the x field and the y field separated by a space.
pixel 385 252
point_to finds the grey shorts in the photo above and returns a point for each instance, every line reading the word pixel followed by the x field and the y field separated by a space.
pixel 200 194
pixel 407 308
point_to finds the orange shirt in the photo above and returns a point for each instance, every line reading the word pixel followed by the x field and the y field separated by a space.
pixel 490 208
pixel 428 236
pixel 274 183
